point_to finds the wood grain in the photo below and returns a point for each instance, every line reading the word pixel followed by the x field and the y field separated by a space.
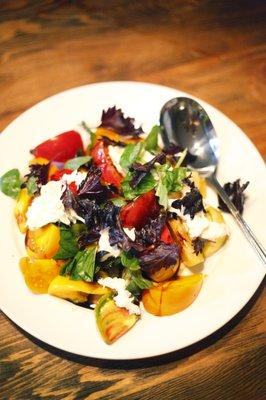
pixel 212 49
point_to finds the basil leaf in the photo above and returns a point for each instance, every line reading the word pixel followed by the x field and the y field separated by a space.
pixel 162 193
pixel 173 180
pixel 67 268
pixel 85 266
pixel 32 186
pixel 130 262
pixel 10 183
pixel 141 282
pixel 137 283
pixel 146 184
pixel 151 142
pixel 77 162
pixel 68 244
pixel 91 134
pixel 82 267
pixel 130 154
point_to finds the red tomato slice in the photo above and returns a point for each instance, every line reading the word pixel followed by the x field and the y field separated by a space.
pixel 137 213
pixel 166 235
pixel 60 148
pixel 101 158
pixel 98 153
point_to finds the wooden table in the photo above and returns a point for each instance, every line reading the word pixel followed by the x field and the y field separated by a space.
pixel 212 49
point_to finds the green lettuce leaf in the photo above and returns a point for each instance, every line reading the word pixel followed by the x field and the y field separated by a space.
pixel 77 162
pixel 162 194
pixel 151 142
pixel 173 180
pixel 146 184
pixel 130 154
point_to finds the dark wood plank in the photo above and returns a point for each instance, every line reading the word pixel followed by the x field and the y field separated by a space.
pixel 212 49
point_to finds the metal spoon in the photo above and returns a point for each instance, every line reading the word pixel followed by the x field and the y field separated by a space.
pixel 185 123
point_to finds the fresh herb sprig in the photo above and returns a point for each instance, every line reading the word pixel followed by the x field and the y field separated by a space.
pixel 169 180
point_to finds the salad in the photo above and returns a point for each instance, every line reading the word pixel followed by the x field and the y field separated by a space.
pixel 116 226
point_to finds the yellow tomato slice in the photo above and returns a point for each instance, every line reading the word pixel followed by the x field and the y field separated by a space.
pixel 38 274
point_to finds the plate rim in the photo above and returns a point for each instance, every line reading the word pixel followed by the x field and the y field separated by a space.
pixel 244 136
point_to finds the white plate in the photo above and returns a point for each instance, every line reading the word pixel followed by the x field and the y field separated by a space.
pixel 233 274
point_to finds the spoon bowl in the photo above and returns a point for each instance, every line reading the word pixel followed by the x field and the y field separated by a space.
pixel 185 123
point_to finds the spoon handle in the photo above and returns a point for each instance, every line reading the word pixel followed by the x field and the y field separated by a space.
pixel 241 222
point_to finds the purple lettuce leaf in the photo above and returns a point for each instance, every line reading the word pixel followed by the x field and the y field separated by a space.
pixel 198 244
pixel 192 202
pixel 173 149
pixel 109 218
pixel 162 256
pixel 117 236
pixel 39 172
pixel 235 192
pixel 88 238
pixel 151 232
pixel 92 187
pixel 114 119
pixel 86 208
pixel 141 170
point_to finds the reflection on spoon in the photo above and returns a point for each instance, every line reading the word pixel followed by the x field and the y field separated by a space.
pixel 185 123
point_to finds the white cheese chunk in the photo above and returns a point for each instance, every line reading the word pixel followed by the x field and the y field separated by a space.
pixel 214 231
pixel 48 206
pixel 104 244
pixel 197 225
pixel 124 298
